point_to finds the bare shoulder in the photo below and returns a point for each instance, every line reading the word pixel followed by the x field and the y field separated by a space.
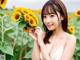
pixel 71 38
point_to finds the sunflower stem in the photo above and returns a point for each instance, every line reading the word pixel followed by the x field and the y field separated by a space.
pixel 3 33
pixel 4 56
pixel 22 37
pixel 3 18
pixel 16 31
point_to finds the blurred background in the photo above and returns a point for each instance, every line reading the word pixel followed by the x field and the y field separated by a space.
pixel 15 43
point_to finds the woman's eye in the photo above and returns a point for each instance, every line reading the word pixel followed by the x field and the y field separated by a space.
pixel 51 15
pixel 44 16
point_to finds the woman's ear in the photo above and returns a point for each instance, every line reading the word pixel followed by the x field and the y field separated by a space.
pixel 61 18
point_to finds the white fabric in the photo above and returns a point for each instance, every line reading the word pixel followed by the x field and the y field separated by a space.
pixel 55 55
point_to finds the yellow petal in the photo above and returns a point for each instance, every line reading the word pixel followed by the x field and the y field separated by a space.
pixel 3 4
pixel 32 22
pixel 71 29
pixel 77 12
pixel 16 16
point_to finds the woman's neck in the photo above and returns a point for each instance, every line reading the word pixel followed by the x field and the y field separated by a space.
pixel 58 31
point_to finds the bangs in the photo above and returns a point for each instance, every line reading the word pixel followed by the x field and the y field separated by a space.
pixel 48 10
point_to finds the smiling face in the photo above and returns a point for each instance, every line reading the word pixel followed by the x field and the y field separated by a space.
pixel 51 19
pixel 54 17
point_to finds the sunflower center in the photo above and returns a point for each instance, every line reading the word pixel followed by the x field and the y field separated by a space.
pixel 2 1
pixel 31 21
pixel 78 12
pixel 17 16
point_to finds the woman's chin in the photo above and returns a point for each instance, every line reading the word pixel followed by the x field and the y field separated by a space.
pixel 50 29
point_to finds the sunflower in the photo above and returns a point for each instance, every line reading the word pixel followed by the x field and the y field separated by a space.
pixel 33 16
pixel 3 3
pixel 36 19
pixel 16 16
pixel 77 13
pixel 71 29
pixel 26 17
pixel 33 22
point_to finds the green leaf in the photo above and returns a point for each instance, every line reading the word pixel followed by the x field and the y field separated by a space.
pixel 17 52
pixel 0 22
pixel 22 24
pixel 78 18
pixel 9 30
pixel 1 14
pixel 7 49
pixel 28 54
pixel 30 44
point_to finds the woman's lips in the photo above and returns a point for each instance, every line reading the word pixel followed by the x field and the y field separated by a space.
pixel 49 25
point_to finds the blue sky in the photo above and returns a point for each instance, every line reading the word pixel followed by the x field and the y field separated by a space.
pixel 71 5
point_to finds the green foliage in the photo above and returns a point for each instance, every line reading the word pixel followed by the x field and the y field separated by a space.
pixel 16 44
pixel 75 21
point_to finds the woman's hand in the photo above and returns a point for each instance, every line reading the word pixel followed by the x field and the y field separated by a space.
pixel 40 35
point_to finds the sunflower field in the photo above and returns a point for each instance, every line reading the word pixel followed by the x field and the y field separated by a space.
pixel 15 43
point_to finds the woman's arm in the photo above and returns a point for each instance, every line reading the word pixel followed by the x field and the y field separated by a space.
pixel 40 37
pixel 36 52
pixel 44 52
pixel 69 48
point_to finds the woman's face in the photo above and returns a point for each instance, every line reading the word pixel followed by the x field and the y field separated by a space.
pixel 52 21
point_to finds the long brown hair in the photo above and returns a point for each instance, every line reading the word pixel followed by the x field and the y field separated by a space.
pixel 54 5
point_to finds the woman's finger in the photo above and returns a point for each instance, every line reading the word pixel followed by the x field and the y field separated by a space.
pixel 32 34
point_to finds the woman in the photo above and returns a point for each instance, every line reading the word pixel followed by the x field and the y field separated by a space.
pixel 55 43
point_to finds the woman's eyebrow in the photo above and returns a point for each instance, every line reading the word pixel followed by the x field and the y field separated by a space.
pixel 48 14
